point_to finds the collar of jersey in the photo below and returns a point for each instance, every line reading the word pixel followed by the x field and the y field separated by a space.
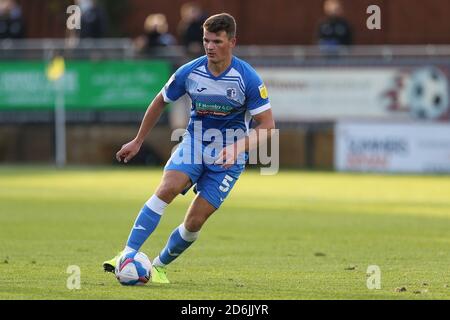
pixel 223 73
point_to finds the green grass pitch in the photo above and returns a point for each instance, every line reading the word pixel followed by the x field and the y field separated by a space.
pixel 295 235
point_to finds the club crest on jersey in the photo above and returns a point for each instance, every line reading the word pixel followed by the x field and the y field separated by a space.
pixel 231 93
pixel 263 91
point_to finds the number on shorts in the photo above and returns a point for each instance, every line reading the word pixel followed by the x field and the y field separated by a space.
pixel 226 184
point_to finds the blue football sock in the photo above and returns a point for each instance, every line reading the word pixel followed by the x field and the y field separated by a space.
pixel 146 222
pixel 178 242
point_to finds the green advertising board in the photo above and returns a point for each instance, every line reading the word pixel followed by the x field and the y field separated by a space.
pixel 87 84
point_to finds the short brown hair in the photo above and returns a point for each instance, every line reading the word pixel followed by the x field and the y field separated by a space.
pixel 221 22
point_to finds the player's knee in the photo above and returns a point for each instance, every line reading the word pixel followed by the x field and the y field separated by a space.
pixel 168 191
pixel 194 224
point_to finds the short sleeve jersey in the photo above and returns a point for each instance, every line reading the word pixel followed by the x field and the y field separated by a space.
pixel 227 101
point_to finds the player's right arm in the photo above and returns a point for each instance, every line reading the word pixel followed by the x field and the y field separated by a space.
pixel 172 91
pixel 154 111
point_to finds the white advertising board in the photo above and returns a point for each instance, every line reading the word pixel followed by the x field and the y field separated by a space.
pixel 375 93
pixel 392 147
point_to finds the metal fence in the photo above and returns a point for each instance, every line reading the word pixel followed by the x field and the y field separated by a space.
pixel 123 48
pixel 259 56
pixel 315 137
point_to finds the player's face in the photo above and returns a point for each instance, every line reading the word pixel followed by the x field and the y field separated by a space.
pixel 218 47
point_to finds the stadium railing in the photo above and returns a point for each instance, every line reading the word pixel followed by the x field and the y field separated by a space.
pixel 257 55
pixel 114 48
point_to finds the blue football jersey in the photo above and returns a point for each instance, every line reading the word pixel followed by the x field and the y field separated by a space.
pixel 227 101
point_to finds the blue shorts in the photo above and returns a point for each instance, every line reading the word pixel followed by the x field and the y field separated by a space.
pixel 212 182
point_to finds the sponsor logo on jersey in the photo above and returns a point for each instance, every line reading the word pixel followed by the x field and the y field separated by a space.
pixel 212 109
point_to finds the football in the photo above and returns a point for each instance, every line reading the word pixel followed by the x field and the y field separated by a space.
pixel 133 268
pixel 428 93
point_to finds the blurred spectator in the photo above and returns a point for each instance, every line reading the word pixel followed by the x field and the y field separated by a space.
pixel 11 20
pixel 156 34
pixel 334 30
pixel 93 19
pixel 190 28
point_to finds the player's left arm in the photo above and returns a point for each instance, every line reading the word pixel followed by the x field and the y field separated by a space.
pixel 263 131
pixel 265 123
pixel 257 101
